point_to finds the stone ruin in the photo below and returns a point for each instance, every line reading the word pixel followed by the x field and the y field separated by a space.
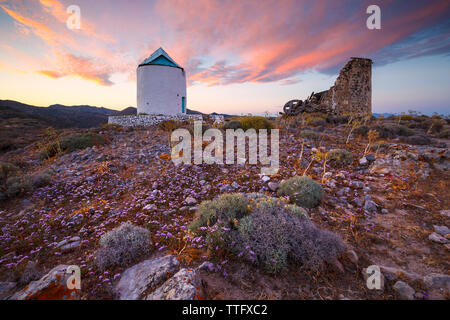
pixel 350 95
pixel 352 91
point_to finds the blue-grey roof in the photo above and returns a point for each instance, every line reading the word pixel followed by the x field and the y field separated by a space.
pixel 160 57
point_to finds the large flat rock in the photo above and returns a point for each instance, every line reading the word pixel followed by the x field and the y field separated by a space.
pixel 138 279
pixel 182 286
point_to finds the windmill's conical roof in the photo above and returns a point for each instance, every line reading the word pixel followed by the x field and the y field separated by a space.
pixel 160 57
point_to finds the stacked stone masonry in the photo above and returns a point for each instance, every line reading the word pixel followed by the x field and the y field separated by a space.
pixel 152 119
pixel 352 91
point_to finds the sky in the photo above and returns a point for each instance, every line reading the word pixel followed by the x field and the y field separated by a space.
pixel 247 56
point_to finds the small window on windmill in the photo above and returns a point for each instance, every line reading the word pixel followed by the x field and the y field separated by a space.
pixel 183 104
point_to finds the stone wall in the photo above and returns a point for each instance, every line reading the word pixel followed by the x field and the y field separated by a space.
pixel 352 91
pixel 152 119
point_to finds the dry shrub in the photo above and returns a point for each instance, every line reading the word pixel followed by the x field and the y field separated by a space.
pixel 255 122
pixel 266 232
pixel 340 157
pixel 122 246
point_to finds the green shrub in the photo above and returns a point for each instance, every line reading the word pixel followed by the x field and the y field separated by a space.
pixel 17 185
pixel 379 146
pixel 255 122
pixel 72 143
pixel 390 130
pixel 416 140
pixel 445 134
pixel 204 128
pixel 361 131
pixel 112 126
pixel 82 141
pixel 340 157
pixel 226 207
pixel 233 124
pixel 434 125
pixel 41 179
pixel 302 191
pixel 272 235
pixel 309 134
pixel 7 170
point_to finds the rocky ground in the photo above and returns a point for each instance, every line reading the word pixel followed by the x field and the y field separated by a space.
pixel 391 207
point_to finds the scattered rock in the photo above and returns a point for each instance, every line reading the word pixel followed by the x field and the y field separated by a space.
pixel 445 213
pixel 190 201
pixel 404 291
pixel 442 230
pixel 70 246
pixel 357 184
pixel 182 286
pixel 370 158
pixel 6 289
pixel 273 186
pixel 235 185
pixel 437 281
pixel 52 286
pixel 67 245
pixel 363 161
pixel 143 276
pixel 207 266
pixel 352 256
pixel 435 237
pixel 150 207
pixel 370 206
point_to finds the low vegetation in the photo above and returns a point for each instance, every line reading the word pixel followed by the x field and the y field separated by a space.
pixel 233 124
pixel 265 232
pixel 302 191
pixel 72 143
pixel 122 246
pixel 309 134
pixel 255 122
pixel 340 157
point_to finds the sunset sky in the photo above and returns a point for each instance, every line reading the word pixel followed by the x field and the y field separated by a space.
pixel 240 56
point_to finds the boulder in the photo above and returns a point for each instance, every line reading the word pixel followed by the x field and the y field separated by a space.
pixel 404 291
pixel 52 286
pixel 437 281
pixel 184 285
pixel 6 289
pixel 138 279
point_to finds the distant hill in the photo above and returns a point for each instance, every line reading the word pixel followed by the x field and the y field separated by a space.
pixel 130 111
pixel 57 115
pixel 385 115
